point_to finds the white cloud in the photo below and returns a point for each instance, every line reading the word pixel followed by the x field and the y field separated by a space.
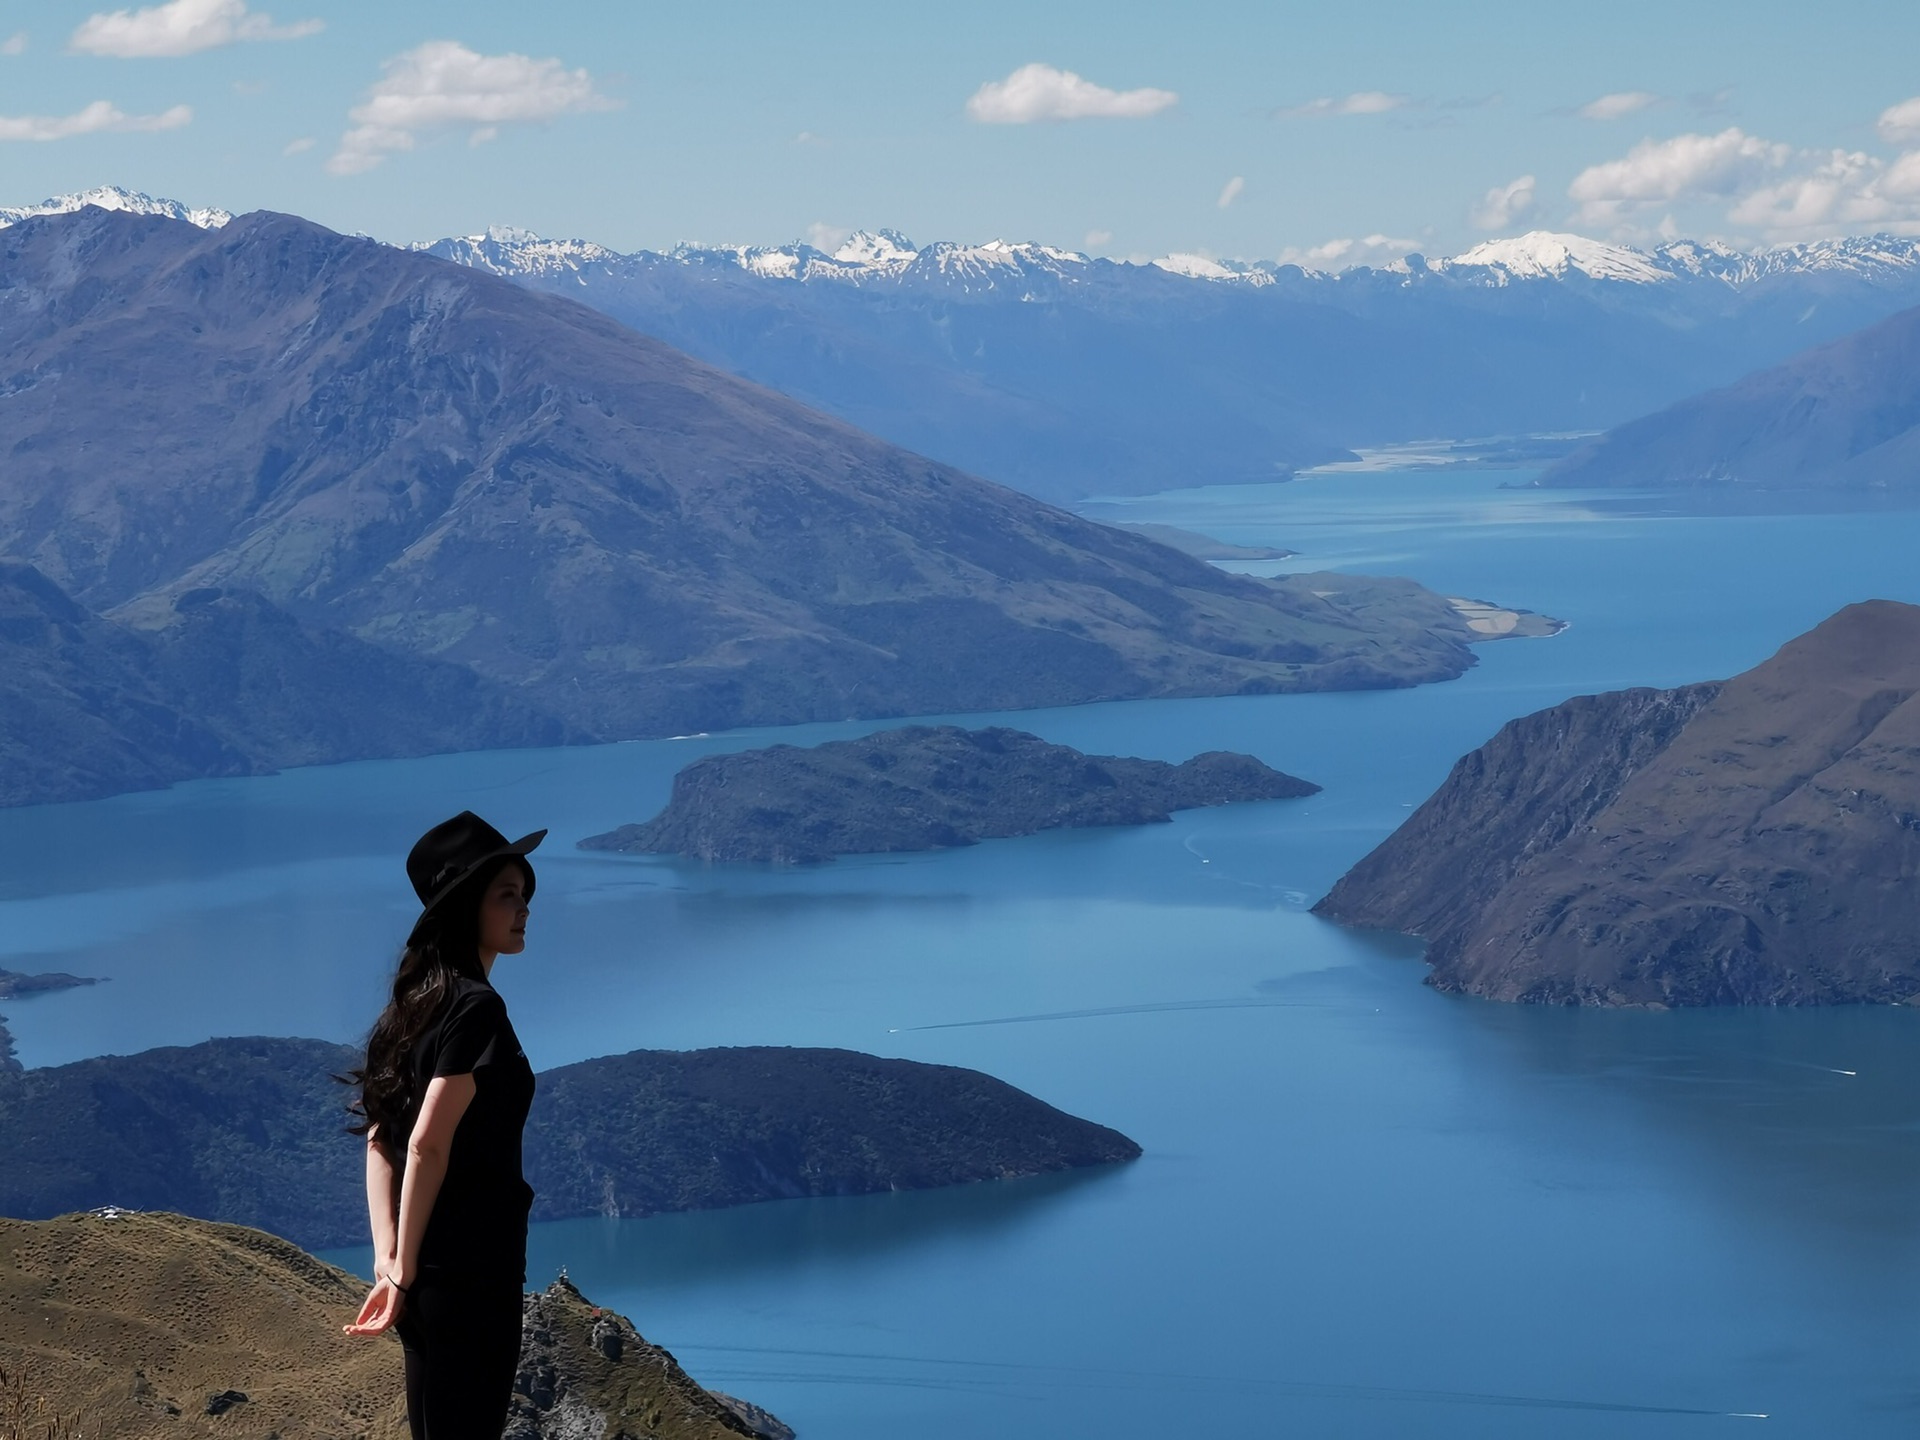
pixel 1772 191
pixel 295 147
pixel 822 236
pixel 1504 204
pixel 444 85
pixel 14 44
pixel 1096 238
pixel 1345 253
pixel 101 117
pixel 1230 192
pixel 1662 172
pixel 1618 104
pixel 1041 92
pixel 1900 124
pixel 1361 102
pixel 180 27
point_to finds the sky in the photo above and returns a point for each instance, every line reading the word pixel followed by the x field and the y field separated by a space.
pixel 1326 134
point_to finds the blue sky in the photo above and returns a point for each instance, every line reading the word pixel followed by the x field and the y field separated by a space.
pixel 641 124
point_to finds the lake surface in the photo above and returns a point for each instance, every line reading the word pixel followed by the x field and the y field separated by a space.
pixel 1366 1210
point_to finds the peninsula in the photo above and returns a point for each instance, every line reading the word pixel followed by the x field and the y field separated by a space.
pixel 252 1131
pixel 1753 841
pixel 925 787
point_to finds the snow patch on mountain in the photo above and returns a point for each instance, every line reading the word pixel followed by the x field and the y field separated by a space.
pixel 1544 255
pixel 112 197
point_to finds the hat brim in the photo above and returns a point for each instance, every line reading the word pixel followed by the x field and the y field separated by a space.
pixel 525 845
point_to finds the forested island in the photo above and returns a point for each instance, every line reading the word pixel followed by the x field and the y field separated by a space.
pixel 925 787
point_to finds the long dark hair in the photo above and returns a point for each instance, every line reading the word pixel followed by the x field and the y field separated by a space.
pixel 444 948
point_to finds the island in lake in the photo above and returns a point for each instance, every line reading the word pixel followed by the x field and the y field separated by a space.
pixel 14 985
pixel 1754 841
pixel 163 1325
pixel 925 787
pixel 252 1131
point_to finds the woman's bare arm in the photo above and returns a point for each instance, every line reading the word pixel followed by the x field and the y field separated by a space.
pixel 383 1202
pixel 427 1150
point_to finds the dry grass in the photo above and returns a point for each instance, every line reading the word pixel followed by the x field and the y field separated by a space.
pixel 26 1415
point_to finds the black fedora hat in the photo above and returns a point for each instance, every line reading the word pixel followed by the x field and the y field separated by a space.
pixel 452 851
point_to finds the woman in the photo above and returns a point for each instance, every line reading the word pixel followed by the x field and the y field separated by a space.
pixel 443 1098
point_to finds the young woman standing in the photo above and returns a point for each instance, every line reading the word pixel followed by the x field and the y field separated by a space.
pixel 443 1099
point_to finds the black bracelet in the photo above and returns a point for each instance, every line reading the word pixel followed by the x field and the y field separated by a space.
pixel 395 1283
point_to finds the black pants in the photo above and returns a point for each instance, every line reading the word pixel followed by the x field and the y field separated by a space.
pixel 462 1342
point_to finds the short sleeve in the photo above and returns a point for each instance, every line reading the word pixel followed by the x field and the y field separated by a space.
pixel 475 1033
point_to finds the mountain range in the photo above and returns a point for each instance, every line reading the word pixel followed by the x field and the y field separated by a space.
pixel 1071 376
pixel 1748 841
pixel 1067 375
pixel 330 443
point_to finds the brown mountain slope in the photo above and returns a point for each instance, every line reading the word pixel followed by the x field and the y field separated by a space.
pixel 1751 842
pixel 150 1325
pixel 451 466
pixel 1844 416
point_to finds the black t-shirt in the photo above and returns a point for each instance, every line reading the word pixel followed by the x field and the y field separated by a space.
pixel 478 1228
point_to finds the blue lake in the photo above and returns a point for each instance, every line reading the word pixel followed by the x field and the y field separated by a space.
pixel 1365 1210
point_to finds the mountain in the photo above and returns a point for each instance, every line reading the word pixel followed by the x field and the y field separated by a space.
pixel 1754 841
pixel 450 467
pixel 253 1131
pixel 1069 376
pixel 925 787
pixel 112 197
pixel 135 1326
pixel 1842 416
pixel 222 683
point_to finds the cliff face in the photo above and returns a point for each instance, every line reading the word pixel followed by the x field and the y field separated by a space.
pixel 140 1326
pixel 1750 842
pixel 925 787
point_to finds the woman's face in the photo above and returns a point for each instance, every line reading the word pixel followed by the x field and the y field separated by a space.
pixel 503 913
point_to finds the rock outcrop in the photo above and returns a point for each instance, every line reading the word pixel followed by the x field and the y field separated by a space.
pixel 138 1325
pixel 925 787
pixel 1754 841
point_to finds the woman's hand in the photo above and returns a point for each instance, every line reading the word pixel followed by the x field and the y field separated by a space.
pixel 382 1309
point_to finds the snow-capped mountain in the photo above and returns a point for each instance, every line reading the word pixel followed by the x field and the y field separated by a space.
pixel 112 197
pixel 1000 268
pixel 1069 375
